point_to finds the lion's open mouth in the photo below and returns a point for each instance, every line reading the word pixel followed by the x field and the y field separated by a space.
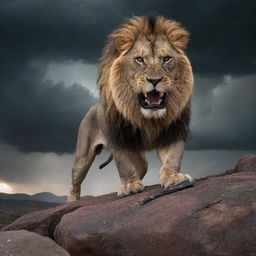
pixel 152 99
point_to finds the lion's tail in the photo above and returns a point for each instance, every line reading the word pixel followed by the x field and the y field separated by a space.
pixel 110 158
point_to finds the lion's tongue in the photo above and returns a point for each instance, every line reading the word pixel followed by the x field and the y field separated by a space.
pixel 153 97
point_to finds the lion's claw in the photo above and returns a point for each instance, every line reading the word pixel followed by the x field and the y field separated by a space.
pixel 130 188
pixel 173 179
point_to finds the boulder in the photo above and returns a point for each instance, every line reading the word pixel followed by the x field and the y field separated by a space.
pixel 215 217
pixel 43 222
pixel 25 243
pixel 246 163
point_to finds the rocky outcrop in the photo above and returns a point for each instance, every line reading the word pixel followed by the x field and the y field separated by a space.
pixel 247 163
pixel 215 217
pixel 44 222
pixel 25 243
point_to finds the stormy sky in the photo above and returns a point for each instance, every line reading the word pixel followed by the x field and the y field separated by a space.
pixel 48 58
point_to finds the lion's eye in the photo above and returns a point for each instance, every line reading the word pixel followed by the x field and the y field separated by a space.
pixel 167 58
pixel 139 59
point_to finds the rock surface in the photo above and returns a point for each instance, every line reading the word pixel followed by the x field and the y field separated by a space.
pixel 43 222
pixel 25 243
pixel 246 163
pixel 215 217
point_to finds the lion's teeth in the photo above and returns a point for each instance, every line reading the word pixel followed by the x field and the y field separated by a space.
pixel 161 94
pixel 153 103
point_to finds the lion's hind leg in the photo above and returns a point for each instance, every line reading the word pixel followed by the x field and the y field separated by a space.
pixel 89 143
pixel 79 171
pixel 131 171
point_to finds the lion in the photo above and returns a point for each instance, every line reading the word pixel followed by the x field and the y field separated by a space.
pixel 145 82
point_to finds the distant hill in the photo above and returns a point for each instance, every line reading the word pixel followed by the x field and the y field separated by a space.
pixel 44 197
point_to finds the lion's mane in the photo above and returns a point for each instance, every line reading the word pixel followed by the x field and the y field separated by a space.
pixel 127 127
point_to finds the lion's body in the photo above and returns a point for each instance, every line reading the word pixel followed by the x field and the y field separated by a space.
pixel 145 82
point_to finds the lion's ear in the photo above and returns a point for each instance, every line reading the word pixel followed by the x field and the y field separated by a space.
pixel 179 39
pixel 123 43
pixel 119 43
pixel 126 35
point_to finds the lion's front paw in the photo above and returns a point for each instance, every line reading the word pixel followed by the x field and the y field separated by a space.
pixel 130 188
pixel 173 178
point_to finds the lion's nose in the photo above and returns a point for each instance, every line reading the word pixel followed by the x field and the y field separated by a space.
pixel 154 81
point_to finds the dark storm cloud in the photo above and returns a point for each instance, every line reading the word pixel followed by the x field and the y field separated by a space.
pixel 59 29
pixel 37 115
pixel 223 115
pixel 223 32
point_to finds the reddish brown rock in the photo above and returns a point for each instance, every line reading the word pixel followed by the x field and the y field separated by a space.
pixel 25 243
pixel 43 222
pixel 216 217
pixel 246 163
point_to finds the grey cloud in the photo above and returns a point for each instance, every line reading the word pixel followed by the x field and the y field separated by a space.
pixel 40 115
pixel 224 115
pixel 37 115
pixel 223 33
pixel 70 71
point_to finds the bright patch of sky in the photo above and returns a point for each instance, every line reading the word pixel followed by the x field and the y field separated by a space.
pixel 71 72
